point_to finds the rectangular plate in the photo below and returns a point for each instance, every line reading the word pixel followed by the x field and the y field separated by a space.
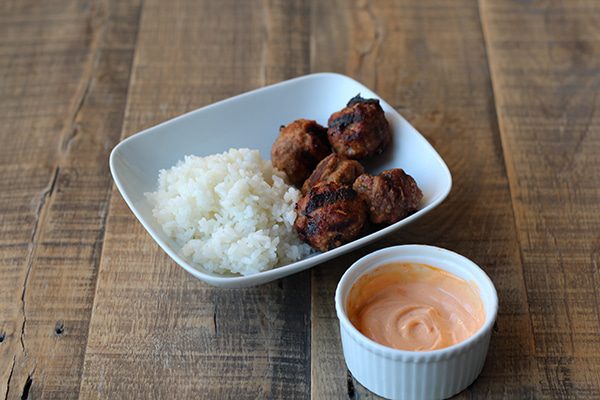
pixel 252 120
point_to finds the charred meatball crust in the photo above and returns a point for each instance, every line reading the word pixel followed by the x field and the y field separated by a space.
pixel 391 195
pixel 334 168
pixel 360 129
pixel 299 148
pixel 330 215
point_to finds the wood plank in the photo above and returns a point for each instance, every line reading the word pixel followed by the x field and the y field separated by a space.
pixel 427 59
pixel 156 332
pixel 545 64
pixel 65 70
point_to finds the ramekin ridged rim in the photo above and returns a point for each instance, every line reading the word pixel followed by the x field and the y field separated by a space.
pixel 405 355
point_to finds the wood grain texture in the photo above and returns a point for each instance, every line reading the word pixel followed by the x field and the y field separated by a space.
pixel 427 59
pixel 90 307
pixel 64 69
pixel 157 332
pixel 546 78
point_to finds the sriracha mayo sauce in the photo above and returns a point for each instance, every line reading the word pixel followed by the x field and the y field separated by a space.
pixel 415 307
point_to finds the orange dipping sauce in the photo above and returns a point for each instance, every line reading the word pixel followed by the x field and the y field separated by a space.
pixel 415 307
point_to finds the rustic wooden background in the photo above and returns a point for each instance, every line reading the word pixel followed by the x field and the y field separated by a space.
pixel 90 307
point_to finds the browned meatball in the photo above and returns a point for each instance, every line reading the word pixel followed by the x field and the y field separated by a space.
pixel 391 195
pixel 330 215
pixel 334 168
pixel 299 148
pixel 360 129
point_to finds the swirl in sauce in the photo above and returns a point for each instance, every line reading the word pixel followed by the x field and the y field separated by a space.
pixel 415 307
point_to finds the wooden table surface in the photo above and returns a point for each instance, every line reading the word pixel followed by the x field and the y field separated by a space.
pixel 90 306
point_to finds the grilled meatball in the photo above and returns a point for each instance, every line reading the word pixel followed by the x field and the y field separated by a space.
pixel 391 195
pixel 299 148
pixel 334 168
pixel 330 215
pixel 360 129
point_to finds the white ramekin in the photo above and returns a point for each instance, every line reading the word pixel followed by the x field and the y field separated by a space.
pixel 399 374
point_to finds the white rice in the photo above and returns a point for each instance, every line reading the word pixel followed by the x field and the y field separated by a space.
pixel 230 212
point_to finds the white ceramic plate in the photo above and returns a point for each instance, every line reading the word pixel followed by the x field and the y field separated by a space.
pixel 252 120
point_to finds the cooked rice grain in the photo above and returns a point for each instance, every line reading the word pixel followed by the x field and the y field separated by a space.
pixel 230 212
